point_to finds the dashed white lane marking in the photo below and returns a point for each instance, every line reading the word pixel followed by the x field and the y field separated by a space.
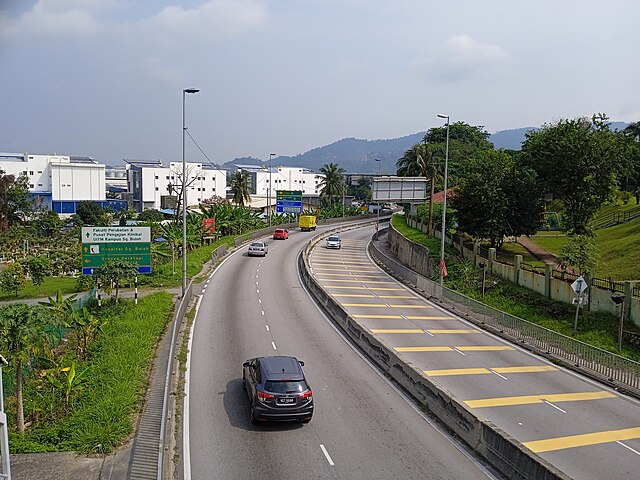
pixel 259 300
pixel 627 446
pixel 262 311
pixel 461 353
pixel 258 291
pixel 554 406
pixel 203 290
pixel 267 327
pixel 274 345
pixel 501 376
pixel 326 454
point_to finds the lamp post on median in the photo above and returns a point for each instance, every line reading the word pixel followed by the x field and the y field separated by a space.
pixel 378 211
pixel 184 195
pixel 271 155
pixel 444 202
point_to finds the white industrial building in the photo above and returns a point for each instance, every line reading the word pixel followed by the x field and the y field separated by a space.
pixel 60 181
pixel 264 182
pixel 151 185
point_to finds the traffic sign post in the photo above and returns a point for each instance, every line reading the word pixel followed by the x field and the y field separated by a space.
pixel 289 201
pixel 103 244
pixel 579 286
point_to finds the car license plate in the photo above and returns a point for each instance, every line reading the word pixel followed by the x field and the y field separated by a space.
pixel 286 401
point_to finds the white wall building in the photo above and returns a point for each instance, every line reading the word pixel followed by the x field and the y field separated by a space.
pixel 154 186
pixel 61 181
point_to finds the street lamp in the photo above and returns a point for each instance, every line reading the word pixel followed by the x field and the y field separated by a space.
pixel 184 196
pixel 378 211
pixel 271 155
pixel 444 203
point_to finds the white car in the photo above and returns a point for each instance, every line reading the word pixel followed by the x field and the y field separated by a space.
pixel 334 242
pixel 259 249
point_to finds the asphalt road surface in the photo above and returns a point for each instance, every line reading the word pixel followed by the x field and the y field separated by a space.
pixel 362 428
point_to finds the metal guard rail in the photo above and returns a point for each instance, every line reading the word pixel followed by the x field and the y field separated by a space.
pixel 620 372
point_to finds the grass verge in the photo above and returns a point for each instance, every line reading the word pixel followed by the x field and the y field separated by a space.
pixel 102 415
pixel 599 329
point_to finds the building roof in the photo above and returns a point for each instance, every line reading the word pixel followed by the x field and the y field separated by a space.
pixel 144 163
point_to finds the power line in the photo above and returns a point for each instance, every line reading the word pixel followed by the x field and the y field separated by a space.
pixel 201 151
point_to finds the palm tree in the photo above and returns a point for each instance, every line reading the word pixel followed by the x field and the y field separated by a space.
pixel 421 160
pixel 24 336
pixel 240 188
pixel 333 183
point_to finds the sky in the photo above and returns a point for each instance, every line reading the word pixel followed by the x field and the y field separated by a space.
pixel 105 78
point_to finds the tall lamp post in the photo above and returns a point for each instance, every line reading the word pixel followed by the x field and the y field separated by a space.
pixel 444 203
pixel 184 195
pixel 378 212
pixel 271 155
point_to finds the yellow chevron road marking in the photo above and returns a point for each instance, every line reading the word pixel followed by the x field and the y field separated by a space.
pixel 377 305
pixel 364 288
pixel 531 399
pixel 355 281
pixel 364 295
pixel 478 348
pixel 399 317
pixel 447 331
pixel 572 441
pixel 397 330
pixel 483 371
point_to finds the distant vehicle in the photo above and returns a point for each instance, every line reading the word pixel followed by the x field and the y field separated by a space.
pixel 280 234
pixel 307 222
pixel 334 242
pixel 258 249
pixel 277 389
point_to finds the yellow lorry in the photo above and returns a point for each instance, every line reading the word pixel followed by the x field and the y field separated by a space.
pixel 307 222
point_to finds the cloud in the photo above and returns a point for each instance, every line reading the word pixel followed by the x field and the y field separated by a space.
pixel 459 58
pixel 215 18
pixel 64 18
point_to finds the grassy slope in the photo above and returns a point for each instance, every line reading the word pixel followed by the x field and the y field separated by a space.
pixel 102 415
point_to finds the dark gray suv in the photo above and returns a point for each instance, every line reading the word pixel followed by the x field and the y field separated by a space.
pixel 277 389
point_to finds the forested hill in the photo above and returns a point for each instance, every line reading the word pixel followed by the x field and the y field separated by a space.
pixel 358 156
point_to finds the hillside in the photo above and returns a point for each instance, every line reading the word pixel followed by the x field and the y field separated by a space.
pixel 357 155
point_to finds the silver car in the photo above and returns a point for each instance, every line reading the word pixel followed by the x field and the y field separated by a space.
pixel 258 249
pixel 334 242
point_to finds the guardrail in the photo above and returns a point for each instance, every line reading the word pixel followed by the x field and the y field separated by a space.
pixel 615 370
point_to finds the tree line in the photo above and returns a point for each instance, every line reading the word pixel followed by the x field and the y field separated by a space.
pixel 573 165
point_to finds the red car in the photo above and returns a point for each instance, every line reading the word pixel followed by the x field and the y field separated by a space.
pixel 280 234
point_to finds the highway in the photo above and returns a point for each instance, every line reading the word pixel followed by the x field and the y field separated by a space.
pixel 363 427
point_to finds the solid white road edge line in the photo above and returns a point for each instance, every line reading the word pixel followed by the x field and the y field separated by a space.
pixel 326 454
pixel 274 345
pixel 186 448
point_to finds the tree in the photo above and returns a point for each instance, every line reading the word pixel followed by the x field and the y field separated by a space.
pixel 13 278
pixel 91 213
pixel 24 335
pixel 47 223
pixel 332 185
pixel 240 188
pixel 150 215
pixel 422 160
pixel 632 135
pixel 579 161
pixel 39 269
pixel 489 198
pixel 580 252
pixel 14 199
pixel 114 273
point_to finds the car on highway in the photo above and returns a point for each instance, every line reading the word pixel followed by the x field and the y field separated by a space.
pixel 277 389
pixel 333 241
pixel 280 234
pixel 258 249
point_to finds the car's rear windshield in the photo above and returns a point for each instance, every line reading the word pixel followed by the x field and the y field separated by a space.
pixel 333 239
pixel 285 386
pixel 279 230
pixel 256 244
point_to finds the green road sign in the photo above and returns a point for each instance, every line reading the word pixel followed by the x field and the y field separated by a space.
pixel 293 195
pixel 96 254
